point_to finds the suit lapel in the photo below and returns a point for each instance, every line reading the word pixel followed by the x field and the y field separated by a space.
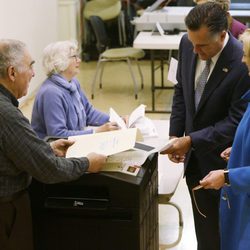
pixel 220 71
pixel 191 80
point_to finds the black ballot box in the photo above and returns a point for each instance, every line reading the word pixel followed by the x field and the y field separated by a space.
pixel 104 211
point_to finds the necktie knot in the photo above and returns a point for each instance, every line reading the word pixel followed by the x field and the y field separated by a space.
pixel 208 63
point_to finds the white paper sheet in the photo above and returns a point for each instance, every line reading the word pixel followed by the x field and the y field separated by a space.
pixel 134 116
pixel 106 143
pixel 114 117
pixel 172 70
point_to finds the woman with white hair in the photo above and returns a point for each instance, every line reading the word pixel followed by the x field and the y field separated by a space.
pixel 235 27
pixel 61 108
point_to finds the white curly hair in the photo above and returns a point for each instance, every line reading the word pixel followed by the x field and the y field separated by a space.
pixel 56 56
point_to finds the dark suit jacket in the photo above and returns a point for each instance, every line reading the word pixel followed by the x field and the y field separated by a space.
pixel 213 125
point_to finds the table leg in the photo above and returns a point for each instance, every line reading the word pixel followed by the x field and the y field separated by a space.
pixel 152 58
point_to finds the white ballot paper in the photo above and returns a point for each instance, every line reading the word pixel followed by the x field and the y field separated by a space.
pixel 136 119
pixel 106 143
pixel 134 116
pixel 159 144
pixel 130 161
pixel 172 70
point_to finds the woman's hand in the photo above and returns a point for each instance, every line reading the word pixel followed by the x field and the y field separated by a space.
pixel 109 126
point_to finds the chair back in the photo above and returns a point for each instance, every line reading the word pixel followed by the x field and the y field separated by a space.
pixel 98 26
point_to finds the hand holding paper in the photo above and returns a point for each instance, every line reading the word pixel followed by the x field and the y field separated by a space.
pixel 169 143
pixel 96 162
pixel 106 143
pixel 177 151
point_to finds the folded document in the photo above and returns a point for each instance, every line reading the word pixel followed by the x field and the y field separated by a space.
pixel 136 119
pixel 106 143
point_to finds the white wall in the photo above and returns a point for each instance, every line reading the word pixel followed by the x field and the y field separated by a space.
pixel 33 22
pixel 69 20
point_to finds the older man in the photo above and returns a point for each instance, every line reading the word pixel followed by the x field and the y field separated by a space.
pixel 207 108
pixel 23 154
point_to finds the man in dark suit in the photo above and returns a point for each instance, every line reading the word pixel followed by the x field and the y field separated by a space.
pixel 206 125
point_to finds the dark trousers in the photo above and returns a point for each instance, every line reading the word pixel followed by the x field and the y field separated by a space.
pixel 16 224
pixel 206 229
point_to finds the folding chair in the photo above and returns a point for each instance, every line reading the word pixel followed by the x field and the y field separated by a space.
pixel 169 176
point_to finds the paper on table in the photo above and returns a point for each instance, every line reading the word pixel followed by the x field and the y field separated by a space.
pixel 160 29
pixel 128 162
pixel 106 143
pixel 122 168
pixel 172 70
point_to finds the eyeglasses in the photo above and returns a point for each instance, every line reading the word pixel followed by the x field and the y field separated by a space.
pixel 76 56
pixel 224 197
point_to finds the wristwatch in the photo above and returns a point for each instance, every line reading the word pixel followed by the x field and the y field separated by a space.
pixel 226 177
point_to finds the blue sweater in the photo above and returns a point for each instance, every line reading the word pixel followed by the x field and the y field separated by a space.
pixel 235 222
pixel 54 113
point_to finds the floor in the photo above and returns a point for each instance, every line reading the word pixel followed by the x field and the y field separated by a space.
pixel 117 92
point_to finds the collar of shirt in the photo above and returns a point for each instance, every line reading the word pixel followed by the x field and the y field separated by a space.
pixel 201 63
pixel 7 93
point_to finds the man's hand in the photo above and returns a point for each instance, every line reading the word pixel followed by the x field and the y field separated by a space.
pixel 96 162
pixel 107 127
pixel 176 152
pixel 61 146
pixel 226 154
pixel 214 180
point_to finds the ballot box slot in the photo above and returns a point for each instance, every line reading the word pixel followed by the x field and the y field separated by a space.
pixel 91 193
pixel 89 212
pixel 76 203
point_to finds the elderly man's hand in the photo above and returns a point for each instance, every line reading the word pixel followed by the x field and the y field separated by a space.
pixel 96 162
pixel 176 152
pixel 61 146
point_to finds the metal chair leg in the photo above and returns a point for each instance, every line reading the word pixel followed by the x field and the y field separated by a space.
pixel 101 74
pixel 140 72
pixel 94 78
pixel 121 29
pixel 133 78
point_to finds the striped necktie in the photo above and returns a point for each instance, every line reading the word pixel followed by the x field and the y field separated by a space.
pixel 202 82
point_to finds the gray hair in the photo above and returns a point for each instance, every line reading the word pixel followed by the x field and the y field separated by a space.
pixel 11 54
pixel 56 56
